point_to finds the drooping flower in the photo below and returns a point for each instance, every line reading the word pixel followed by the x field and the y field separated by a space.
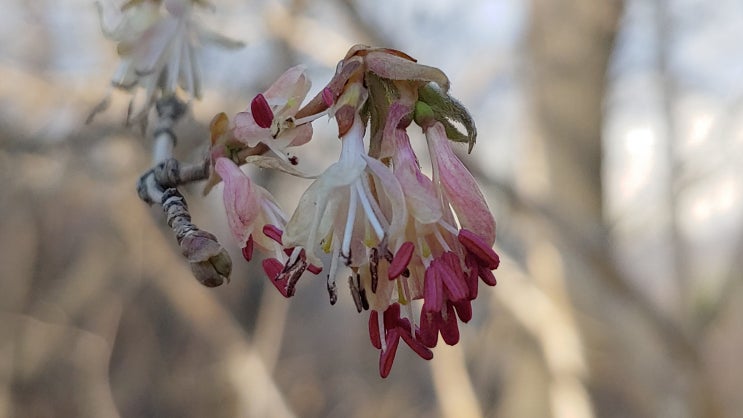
pixel 269 124
pixel 250 208
pixel 341 212
pixel 270 119
pixel 457 186
pixel 435 262
pixel 158 43
pixel 416 246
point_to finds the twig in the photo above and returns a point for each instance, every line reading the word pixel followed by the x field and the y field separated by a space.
pixel 210 263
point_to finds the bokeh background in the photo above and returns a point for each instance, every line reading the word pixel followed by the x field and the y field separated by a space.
pixel 610 149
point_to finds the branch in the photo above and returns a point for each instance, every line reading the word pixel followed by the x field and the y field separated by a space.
pixel 210 263
pixel 590 246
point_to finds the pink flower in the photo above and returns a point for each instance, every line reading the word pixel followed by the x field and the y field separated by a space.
pixel 270 119
pixel 457 186
pixel 250 209
pixel 416 246
pixel 438 261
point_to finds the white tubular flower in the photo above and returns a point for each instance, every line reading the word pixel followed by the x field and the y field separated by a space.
pixel 158 42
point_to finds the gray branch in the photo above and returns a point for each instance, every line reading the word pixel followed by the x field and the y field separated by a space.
pixel 210 263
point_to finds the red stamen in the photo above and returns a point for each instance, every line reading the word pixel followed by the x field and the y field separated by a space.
pixel 455 285
pixel 464 310
pixel 404 324
pixel 474 244
pixel 433 295
pixel 273 268
pixel 248 248
pixel 486 275
pixel 261 110
pixel 448 326
pixel 273 232
pixel 392 316
pixel 452 260
pixel 374 330
pixel 428 333
pixel 424 352
pixel 388 356
pixel 471 262
pixel 400 260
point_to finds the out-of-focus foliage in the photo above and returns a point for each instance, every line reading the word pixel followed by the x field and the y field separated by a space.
pixel 608 147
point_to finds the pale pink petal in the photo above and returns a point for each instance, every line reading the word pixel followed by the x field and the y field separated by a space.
pixel 419 191
pixel 247 131
pixel 148 54
pixel 459 186
pixel 397 112
pixel 303 229
pixel 298 136
pixel 274 163
pixel 240 200
pixel 394 193
pixel 276 218
pixel 289 90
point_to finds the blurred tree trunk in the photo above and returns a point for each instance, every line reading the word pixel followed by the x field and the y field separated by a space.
pixel 569 49
pixel 570 45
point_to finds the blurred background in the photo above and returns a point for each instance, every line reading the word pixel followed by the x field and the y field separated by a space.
pixel 610 149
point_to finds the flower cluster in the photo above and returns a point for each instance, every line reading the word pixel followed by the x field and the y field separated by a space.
pixel 415 246
pixel 157 41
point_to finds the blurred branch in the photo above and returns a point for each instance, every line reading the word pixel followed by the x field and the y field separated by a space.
pixel 553 327
pixel 252 382
pixel 669 92
pixel 593 250
pixel 730 285
pixel 306 35
pixel 453 385
pixel 269 326
pixel 370 31
pixel 703 400
pixel 88 352
pixel 570 59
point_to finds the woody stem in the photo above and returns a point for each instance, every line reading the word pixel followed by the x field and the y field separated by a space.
pixel 210 263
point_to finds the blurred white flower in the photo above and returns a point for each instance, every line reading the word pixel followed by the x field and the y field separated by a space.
pixel 158 43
